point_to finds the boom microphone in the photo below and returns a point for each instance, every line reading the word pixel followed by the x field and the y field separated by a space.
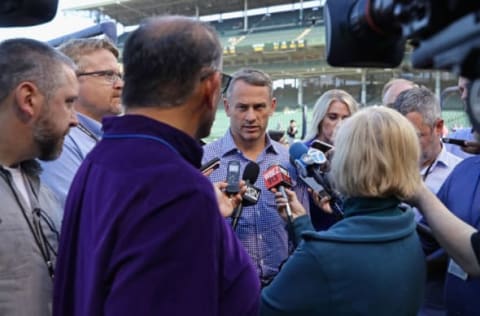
pixel 251 196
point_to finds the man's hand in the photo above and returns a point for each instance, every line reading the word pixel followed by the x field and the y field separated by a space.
pixel 227 203
pixel 295 205
pixel 322 202
pixel 471 147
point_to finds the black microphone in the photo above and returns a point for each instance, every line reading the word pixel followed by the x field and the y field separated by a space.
pixel 251 196
pixel 308 161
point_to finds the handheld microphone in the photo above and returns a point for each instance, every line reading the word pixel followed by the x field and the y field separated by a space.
pixel 251 196
pixel 277 177
pixel 307 161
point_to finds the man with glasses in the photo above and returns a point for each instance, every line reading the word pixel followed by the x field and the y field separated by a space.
pixel 101 86
pixel 142 232
pixel 249 103
pixel 38 87
pixel 422 109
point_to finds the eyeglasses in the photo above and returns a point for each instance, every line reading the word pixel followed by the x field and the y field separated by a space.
pixel 109 75
pixel 226 79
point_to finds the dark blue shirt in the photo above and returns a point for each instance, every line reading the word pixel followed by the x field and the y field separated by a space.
pixel 142 232
pixel 461 195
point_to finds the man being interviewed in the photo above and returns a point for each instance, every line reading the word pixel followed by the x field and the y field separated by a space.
pixel 249 103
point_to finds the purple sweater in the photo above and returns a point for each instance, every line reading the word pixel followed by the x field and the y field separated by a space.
pixel 142 233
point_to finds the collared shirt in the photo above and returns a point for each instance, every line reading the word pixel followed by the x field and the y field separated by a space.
pixel 58 174
pixel 438 173
pixel 440 169
pixel 260 228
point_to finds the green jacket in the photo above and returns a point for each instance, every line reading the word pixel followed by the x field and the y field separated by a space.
pixel 370 263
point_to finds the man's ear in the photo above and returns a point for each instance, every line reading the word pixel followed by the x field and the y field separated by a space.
pixel 28 99
pixel 439 124
pixel 212 88
pixel 273 106
pixel 226 106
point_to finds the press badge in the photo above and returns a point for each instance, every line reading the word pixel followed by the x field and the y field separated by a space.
pixel 456 270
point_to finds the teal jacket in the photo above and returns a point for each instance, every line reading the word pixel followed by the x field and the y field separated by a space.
pixel 370 263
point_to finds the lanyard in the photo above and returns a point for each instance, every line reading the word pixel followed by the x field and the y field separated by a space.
pixel 427 172
pixel 35 224
pixel 87 132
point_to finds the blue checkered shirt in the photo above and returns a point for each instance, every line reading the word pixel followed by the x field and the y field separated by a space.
pixel 260 228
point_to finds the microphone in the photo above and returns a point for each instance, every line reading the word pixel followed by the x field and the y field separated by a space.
pixel 307 161
pixel 251 196
pixel 277 177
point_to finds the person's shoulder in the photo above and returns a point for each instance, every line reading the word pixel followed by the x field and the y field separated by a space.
pixel 469 163
pixel 212 146
pixel 466 170
pixel 462 133
pixel 280 148
pixel 211 150
pixel 451 159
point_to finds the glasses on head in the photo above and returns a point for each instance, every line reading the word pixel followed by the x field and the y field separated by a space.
pixel 109 75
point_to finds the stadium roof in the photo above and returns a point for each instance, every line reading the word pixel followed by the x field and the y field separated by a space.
pixel 131 12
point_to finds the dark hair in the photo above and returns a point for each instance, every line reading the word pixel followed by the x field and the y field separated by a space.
pixel 164 59
pixel 23 59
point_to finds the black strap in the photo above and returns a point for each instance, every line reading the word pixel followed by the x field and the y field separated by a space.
pixel 37 232
pixel 88 132
pixel 475 239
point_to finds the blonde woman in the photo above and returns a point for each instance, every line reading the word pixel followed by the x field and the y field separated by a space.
pixel 329 111
pixel 371 262
pixel 331 108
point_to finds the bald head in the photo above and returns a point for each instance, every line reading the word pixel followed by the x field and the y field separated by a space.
pixel 165 58
pixel 393 88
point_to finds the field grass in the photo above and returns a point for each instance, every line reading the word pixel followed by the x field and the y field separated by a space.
pixel 280 121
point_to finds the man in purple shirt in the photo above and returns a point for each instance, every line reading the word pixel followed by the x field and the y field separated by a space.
pixel 142 232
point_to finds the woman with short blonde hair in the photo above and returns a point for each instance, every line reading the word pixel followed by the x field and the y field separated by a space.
pixel 371 262
pixel 376 155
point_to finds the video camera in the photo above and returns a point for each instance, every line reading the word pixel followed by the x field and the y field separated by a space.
pixel 26 12
pixel 444 34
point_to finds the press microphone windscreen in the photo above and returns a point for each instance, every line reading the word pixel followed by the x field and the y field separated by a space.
pixel 296 151
pixel 250 174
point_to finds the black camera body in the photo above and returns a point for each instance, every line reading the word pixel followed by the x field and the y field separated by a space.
pixel 444 34
pixel 26 12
